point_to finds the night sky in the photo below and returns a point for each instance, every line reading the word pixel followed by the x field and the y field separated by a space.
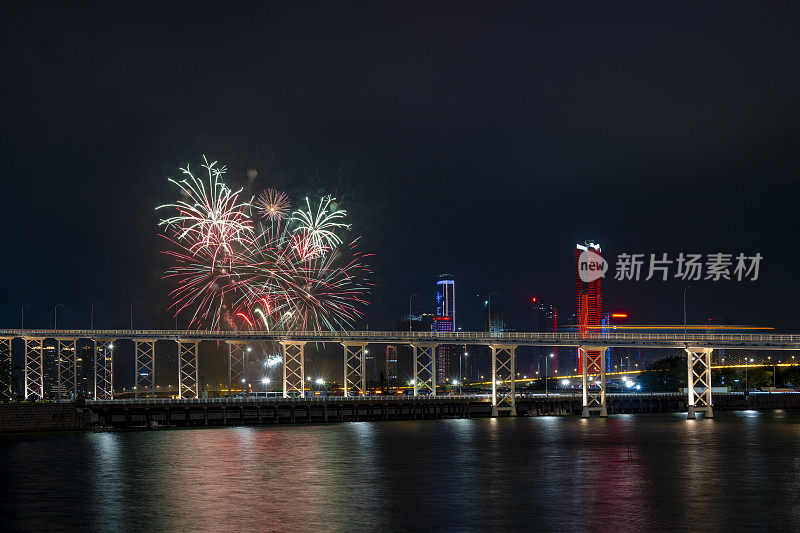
pixel 478 139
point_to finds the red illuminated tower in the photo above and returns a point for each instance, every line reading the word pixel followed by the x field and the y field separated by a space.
pixel 588 297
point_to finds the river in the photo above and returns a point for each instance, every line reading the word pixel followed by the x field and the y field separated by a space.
pixel 738 471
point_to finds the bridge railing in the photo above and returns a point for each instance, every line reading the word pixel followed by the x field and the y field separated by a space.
pixel 308 399
pixel 457 337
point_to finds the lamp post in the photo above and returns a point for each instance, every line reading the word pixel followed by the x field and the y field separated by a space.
pixel 746 382
pixel 132 314
pixel 774 373
pixel 546 389
pixel 460 373
pixel 684 311
pixel 91 319
pixel 409 310
pixel 22 323
pixel 55 315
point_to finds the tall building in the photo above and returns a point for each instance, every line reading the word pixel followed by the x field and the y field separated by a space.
pixel 493 322
pixel 493 317
pixel 619 359
pixel 445 320
pixel 50 369
pixel 391 364
pixel 588 297
pixel 85 360
pixel 544 315
pixel 370 366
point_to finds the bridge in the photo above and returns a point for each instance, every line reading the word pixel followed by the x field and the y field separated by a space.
pixel 503 345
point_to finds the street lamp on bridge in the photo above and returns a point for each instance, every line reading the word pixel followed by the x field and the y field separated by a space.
pixel 409 310
pixel 684 311
pixel 546 389
pixel 55 315
pixel 91 316
pixel 132 314
pixel 22 324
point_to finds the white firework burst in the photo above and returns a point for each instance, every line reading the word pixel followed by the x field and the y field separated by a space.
pixel 273 204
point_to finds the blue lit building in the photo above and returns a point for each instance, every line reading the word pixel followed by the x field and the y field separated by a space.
pixel 445 320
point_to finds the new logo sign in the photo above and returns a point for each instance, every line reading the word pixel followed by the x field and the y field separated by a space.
pixel 591 266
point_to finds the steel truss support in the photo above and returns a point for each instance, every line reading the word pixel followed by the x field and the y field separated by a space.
pixel 145 371
pixel 699 383
pixel 294 369
pixel 355 376
pixel 237 365
pixel 424 368
pixel 504 375
pixel 5 355
pixel 594 369
pixel 187 369
pixel 103 369
pixel 66 351
pixel 34 368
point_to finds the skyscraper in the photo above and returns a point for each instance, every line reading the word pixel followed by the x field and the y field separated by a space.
pixel 588 296
pixel 445 320
pixel 493 322
pixel 370 366
pixel 493 317
pixel 391 364
pixel 545 320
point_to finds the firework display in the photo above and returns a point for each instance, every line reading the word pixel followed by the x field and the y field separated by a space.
pixel 281 272
pixel 273 204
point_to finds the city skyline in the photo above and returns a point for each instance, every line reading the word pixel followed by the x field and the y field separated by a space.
pixel 399 266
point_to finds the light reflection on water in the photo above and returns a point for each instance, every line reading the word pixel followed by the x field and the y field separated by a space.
pixel 628 472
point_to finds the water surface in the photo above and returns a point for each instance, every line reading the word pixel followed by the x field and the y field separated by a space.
pixel 628 472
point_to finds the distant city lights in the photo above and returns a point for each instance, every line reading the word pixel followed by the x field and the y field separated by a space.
pixel 272 361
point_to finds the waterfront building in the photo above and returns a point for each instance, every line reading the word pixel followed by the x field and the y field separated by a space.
pixel 445 320
pixel 544 315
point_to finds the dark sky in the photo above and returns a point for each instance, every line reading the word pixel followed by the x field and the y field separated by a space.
pixel 479 139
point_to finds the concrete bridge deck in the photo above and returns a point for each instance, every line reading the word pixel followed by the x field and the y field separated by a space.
pixel 606 339
pixel 260 411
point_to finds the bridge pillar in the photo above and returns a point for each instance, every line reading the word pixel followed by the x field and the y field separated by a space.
pixel 34 368
pixel 103 369
pixel 699 374
pixel 424 367
pixel 294 369
pixel 187 369
pixel 504 371
pixel 66 351
pixel 145 371
pixel 237 364
pixel 355 376
pixel 5 356
pixel 594 367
